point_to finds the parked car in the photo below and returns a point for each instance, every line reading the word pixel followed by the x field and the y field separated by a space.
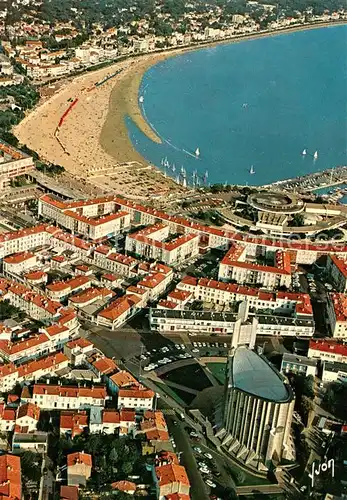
pixel 210 483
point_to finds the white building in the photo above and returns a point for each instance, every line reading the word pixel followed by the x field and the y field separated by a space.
pixel 236 265
pixel 18 263
pixel 153 243
pixel 13 163
pixel 328 350
pixel 11 374
pixel 334 372
pixel 137 399
pixel 337 270
pixel 337 314
pixel 224 294
pixel 291 363
pixel 50 397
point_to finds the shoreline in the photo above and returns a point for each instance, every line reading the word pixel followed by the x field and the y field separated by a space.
pixel 95 133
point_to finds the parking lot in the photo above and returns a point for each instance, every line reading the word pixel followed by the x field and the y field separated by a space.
pixel 171 352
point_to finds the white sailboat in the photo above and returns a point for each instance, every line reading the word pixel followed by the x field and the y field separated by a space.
pixel 141 99
pixel 197 152
pixel 304 153
pixel 315 156
pixel 252 171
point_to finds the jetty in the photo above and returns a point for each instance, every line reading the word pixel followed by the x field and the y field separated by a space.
pixel 316 180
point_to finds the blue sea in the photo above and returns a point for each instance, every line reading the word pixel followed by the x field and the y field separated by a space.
pixel 254 103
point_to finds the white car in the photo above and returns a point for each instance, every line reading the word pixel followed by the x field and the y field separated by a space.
pixel 183 346
pixel 195 344
pixel 195 350
pixel 208 455
pixel 196 448
pixel 210 483
pixel 204 470
pixel 148 368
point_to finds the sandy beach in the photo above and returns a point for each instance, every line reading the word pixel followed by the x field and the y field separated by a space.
pixel 95 134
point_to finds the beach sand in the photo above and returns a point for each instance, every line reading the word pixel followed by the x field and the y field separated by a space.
pixel 95 134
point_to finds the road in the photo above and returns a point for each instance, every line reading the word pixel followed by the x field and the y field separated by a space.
pixel 177 431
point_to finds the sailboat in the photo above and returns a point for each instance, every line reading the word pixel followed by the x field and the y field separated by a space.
pixel 141 99
pixel 162 163
pixel 173 167
pixel 206 177
pixel 304 153
pixel 315 156
pixel 252 171
pixel 197 152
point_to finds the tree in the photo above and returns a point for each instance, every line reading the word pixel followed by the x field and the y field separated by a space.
pixel 127 467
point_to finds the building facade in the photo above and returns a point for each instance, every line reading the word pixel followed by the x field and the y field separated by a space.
pixel 258 410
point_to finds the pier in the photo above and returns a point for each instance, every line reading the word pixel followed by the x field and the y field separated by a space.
pixel 311 182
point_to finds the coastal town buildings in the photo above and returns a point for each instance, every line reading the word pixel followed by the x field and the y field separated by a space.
pixel 328 350
pixel 301 365
pixel 152 243
pixel 337 270
pixel 239 266
pixel 13 163
pixel 337 314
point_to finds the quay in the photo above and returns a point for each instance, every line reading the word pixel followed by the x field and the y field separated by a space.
pixel 316 180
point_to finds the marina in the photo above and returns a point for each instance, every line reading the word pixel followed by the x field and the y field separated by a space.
pixel 314 181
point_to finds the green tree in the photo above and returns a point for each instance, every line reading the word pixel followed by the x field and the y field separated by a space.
pixel 127 467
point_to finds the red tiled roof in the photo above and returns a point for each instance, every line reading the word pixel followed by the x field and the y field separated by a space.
pixel 171 473
pixel 71 284
pixel 22 345
pixel 70 391
pixel 105 365
pixel 10 477
pixel 29 410
pixel 74 458
pixel 48 362
pixel 123 486
pixel 224 235
pixel 340 263
pixel 80 342
pixel 73 421
pixel 339 302
pixel 90 294
pixel 17 258
pixel 35 275
pixel 136 393
pixel 127 415
pixel 68 492
pixel 180 295
pixel 7 413
pixel 110 417
pixel 124 379
pixel 119 307
pixel 330 346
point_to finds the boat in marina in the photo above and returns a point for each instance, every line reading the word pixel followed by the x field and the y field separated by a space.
pixel 252 171
pixel 197 152
pixel 304 153
pixel 315 155
pixel 141 99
